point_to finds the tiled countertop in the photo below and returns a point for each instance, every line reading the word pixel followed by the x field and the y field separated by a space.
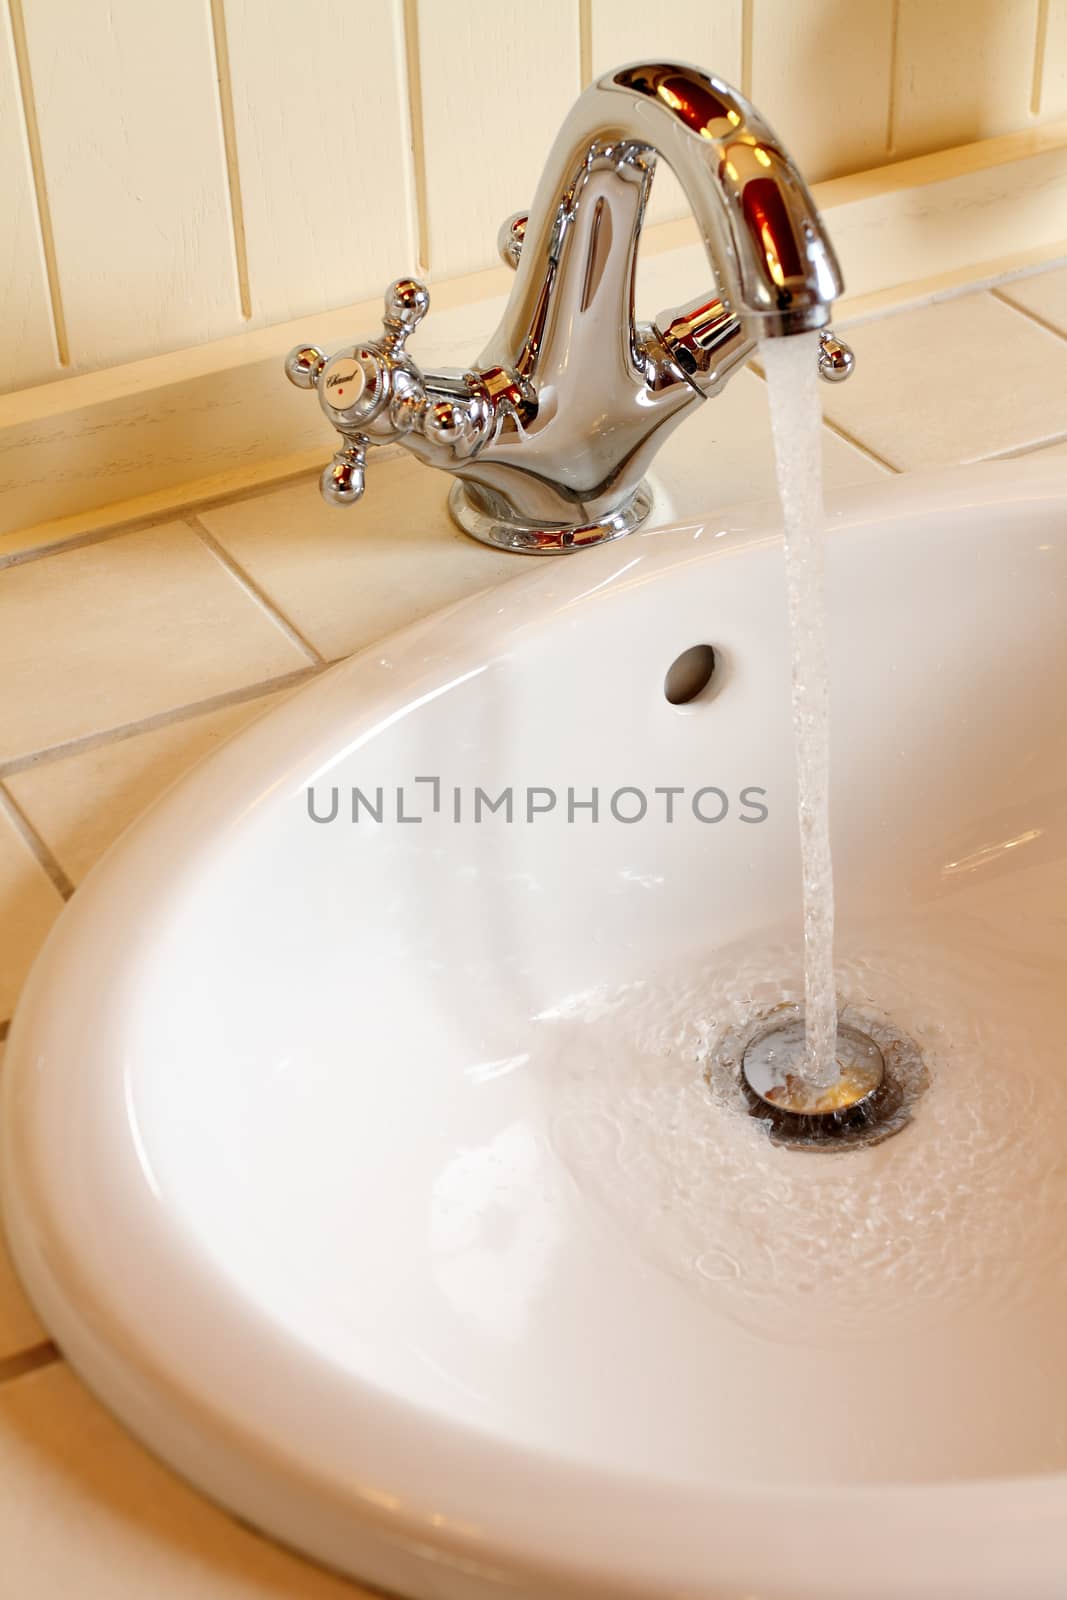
pixel 128 656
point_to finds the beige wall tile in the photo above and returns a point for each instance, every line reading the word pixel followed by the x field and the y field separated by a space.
pixel 821 75
pixel 346 577
pixel 85 1512
pixel 102 636
pixel 1045 295
pixel 497 82
pixel 19 1327
pixel 952 382
pixel 1052 94
pixel 80 805
pixel 725 455
pixel 29 904
pixel 965 70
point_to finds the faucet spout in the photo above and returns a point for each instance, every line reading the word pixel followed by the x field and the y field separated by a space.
pixel 772 258
pixel 550 433
pixel 764 237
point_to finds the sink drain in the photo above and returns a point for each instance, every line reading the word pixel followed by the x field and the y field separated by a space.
pixel 881 1076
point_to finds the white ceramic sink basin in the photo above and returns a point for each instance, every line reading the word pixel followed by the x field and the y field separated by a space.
pixel 371 1173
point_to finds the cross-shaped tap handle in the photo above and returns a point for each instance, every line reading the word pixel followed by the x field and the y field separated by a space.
pixel 366 390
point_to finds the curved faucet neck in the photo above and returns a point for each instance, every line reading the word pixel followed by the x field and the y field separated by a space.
pixel 773 262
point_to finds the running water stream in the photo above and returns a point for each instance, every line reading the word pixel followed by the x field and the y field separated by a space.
pixel 791 366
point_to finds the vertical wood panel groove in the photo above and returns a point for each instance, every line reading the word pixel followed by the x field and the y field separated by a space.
pixel 229 144
pixel 417 128
pixel 469 57
pixel 40 184
pixel 119 255
pixel 131 142
pixel 965 71
pixel 323 146
pixel 1040 43
pixel 894 61
pixel 687 30
pixel 585 41
pixel 1053 95
pixel 747 29
pixel 821 74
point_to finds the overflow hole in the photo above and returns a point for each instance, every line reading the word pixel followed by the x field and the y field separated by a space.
pixel 690 674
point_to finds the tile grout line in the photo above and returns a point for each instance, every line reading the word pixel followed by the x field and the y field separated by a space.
pixel 1033 449
pixel 840 432
pixel 417 132
pixel 23 1362
pixel 254 592
pixel 1031 316
pixel 33 841
pixel 81 541
pixel 864 449
pixel 224 84
pixel 161 719
pixel 178 511
pixel 175 512
pixel 40 182
pixel 991 284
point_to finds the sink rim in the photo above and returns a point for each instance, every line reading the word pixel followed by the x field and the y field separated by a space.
pixel 609 1525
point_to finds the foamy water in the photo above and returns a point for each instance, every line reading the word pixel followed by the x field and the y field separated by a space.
pixel 950 1212
pixel 791 366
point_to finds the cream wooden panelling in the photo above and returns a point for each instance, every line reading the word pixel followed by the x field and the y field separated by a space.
pixel 705 32
pixel 127 103
pixel 331 198
pixel 321 117
pixel 965 71
pixel 175 430
pixel 821 73
pixel 497 82
pixel 27 340
pixel 1052 89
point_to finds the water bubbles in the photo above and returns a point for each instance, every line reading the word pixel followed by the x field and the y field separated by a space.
pixel 856 1242
pixel 791 367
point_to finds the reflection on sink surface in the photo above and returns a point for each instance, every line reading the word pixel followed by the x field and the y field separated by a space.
pixel 383 1174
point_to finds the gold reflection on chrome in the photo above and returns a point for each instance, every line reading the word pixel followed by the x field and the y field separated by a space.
pixel 770 251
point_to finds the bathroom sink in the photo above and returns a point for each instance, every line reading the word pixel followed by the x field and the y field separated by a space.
pixel 388 1178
